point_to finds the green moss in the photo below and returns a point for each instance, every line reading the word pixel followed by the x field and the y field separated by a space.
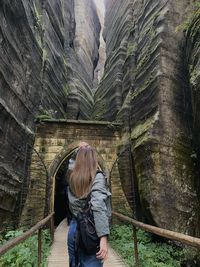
pixel 148 53
pixel 65 62
pixel 188 21
pixel 45 114
pixel 38 16
pixel 38 24
pixel 193 77
pixel 100 111
pixel 66 89
pixel 140 133
pixel 42 117
pixel 146 85
pixel 184 158
pixel 63 7
pixel 44 54
pixel 131 49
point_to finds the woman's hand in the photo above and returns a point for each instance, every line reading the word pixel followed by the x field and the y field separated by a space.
pixel 102 254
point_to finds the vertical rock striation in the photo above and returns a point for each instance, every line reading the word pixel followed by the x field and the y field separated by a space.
pixel 83 58
pixel 48 55
pixel 146 86
pixel 47 62
pixel 99 71
pixel 118 19
pixel 160 119
pixel 193 63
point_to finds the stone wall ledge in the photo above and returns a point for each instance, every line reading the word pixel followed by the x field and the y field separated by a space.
pixel 109 123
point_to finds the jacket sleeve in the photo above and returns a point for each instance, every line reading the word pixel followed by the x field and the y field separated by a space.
pixel 99 195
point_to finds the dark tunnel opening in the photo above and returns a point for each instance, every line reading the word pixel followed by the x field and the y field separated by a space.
pixel 61 206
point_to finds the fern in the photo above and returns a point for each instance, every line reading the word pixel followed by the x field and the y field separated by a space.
pixel 151 254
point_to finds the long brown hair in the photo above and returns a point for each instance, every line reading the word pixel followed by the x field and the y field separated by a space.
pixel 84 171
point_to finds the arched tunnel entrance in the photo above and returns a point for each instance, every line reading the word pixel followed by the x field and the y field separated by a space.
pixel 61 205
pixel 55 141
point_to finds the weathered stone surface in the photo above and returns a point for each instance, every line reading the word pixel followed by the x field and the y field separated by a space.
pixel 47 68
pixel 99 71
pixel 55 141
pixel 117 24
pixel 160 127
pixel 145 85
pixel 193 63
pixel 47 61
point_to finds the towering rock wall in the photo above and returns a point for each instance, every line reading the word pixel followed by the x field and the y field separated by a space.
pixel 118 20
pixel 192 28
pixel 47 59
pixel 48 53
pixel 160 119
pixel 99 71
pixel 146 86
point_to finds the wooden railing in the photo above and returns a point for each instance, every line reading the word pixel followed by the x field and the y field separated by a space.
pixel 185 239
pixel 38 227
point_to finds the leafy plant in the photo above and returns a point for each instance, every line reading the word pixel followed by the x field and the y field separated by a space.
pixel 151 254
pixel 25 254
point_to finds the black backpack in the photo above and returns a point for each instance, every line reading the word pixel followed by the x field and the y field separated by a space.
pixel 86 236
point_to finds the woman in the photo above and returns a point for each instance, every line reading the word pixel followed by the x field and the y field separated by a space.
pixel 83 180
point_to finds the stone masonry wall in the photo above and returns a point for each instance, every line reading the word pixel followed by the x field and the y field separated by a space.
pixel 54 141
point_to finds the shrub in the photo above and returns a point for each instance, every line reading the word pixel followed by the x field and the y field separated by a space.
pixel 25 254
pixel 151 254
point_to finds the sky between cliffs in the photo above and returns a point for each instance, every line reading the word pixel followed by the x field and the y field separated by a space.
pixel 100 5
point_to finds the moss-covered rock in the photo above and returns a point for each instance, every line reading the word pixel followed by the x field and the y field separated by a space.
pixel 146 86
pixel 47 61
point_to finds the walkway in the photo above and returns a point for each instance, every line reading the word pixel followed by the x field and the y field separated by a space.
pixel 59 258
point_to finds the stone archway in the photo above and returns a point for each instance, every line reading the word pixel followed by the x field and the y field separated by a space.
pixel 58 171
pixel 54 141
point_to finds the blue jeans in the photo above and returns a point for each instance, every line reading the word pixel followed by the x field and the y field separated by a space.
pixel 84 259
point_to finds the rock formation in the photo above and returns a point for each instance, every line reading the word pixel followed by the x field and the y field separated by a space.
pixel 47 62
pixel 48 55
pixel 146 86
pixel 193 65
pixel 98 73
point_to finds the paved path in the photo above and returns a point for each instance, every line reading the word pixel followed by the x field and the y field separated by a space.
pixel 59 257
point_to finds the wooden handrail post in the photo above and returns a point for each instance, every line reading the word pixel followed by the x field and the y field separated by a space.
pixel 52 228
pixel 39 247
pixel 137 263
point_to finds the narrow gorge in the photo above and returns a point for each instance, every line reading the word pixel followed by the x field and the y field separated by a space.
pixel 143 73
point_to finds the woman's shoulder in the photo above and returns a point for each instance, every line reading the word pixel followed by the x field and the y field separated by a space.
pixel 100 181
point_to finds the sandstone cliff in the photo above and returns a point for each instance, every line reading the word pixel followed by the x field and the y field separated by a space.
pixel 146 86
pixel 48 53
pixel 192 26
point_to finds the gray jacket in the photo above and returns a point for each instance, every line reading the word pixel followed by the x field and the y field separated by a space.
pixel 101 204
